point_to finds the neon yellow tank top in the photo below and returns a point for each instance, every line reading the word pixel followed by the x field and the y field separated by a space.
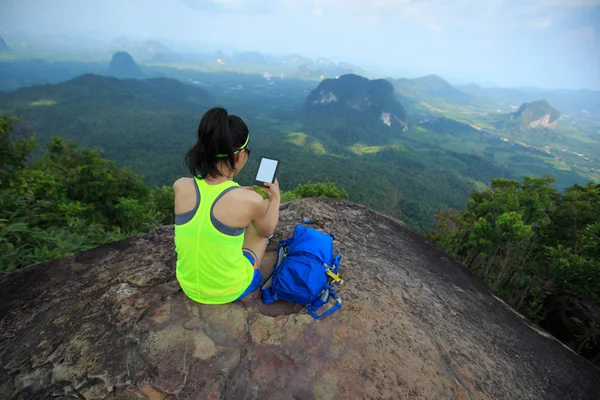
pixel 211 267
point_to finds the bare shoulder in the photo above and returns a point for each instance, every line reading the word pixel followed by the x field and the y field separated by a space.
pixel 247 195
pixel 253 203
pixel 183 183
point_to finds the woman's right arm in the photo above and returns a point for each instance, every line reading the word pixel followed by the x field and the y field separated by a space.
pixel 266 215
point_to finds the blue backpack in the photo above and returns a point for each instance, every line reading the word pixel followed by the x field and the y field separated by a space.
pixel 305 271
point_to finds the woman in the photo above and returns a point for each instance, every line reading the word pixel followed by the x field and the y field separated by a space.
pixel 221 232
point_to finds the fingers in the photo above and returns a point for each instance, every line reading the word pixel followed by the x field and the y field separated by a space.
pixel 272 189
pixel 269 184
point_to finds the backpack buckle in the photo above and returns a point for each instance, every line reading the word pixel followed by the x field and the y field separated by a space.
pixel 336 278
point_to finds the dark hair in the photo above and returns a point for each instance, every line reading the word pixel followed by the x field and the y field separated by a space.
pixel 219 134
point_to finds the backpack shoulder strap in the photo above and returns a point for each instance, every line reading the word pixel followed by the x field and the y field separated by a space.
pixel 266 289
pixel 312 309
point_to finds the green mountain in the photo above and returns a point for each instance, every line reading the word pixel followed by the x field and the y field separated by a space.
pixel 537 114
pixel 355 109
pixel 430 87
pixel 3 46
pixel 122 65
pixel 143 124
pixel 147 125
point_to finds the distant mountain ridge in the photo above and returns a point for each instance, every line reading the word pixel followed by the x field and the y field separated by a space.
pixel 430 86
pixel 145 50
pixel 568 101
pixel 363 109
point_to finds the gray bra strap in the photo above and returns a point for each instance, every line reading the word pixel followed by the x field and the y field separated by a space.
pixel 184 218
pixel 221 227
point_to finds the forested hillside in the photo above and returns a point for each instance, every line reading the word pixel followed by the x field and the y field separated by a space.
pixel 70 199
pixel 147 125
pixel 538 249
pixel 67 200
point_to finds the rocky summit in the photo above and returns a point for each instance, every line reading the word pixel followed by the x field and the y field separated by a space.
pixel 112 323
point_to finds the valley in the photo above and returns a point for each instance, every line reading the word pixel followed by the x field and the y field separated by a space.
pixel 426 145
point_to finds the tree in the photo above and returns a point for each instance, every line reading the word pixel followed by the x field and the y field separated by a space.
pixel 67 200
pixel 538 249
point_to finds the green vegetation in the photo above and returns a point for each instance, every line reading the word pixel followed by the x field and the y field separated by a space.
pixel 566 153
pixel 67 200
pixel 320 189
pixel 431 89
pixel 353 108
pixel 297 138
pixel 538 249
pixel 147 125
pixel 42 103
pixel 71 199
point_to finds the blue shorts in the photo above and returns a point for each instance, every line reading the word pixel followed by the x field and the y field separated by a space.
pixel 257 279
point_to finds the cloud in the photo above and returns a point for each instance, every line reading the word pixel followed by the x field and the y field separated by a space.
pixel 434 15
pixel 438 14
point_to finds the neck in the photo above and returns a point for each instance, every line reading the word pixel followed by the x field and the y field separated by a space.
pixel 226 175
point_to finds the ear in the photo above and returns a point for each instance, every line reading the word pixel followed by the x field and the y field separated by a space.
pixel 238 157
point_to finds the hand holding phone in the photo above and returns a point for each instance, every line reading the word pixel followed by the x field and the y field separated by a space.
pixel 267 169
pixel 273 190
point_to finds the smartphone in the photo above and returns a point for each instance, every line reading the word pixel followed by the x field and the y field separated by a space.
pixel 267 169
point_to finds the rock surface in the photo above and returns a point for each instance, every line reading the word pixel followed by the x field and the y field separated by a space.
pixel 112 323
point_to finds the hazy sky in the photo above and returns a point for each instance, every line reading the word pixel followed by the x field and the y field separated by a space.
pixel 546 43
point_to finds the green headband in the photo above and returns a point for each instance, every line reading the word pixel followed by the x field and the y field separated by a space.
pixel 238 150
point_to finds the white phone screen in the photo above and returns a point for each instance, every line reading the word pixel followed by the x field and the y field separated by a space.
pixel 266 170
